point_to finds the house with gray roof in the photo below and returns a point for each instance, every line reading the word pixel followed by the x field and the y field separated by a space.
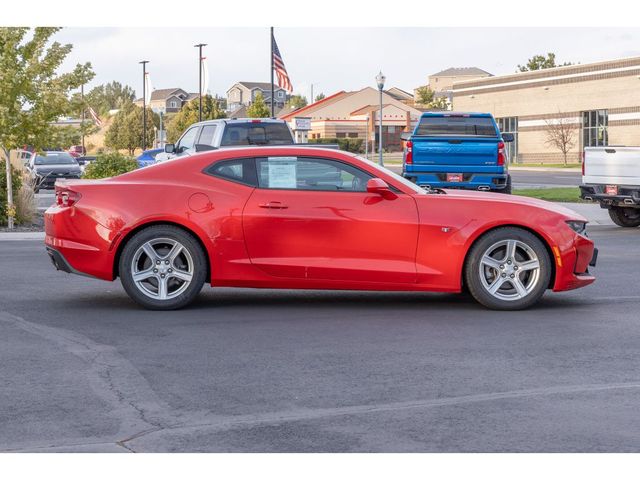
pixel 168 100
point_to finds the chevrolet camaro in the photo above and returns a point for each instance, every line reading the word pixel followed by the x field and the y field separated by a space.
pixel 309 218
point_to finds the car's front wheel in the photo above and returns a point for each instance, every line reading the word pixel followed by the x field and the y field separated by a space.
pixel 508 269
pixel 625 216
pixel 162 267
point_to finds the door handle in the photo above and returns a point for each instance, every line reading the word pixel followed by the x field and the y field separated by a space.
pixel 273 205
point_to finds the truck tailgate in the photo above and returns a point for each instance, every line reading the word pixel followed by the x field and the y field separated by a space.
pixel 612 165
pixel 455 152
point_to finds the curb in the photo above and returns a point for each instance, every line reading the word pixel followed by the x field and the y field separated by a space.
pixel 20 236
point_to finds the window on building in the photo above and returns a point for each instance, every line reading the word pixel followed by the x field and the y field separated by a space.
pixel 510 125
pixel 173 104
pixel 341 135
pixel 353 135
pixel 280 94
pixel 594 128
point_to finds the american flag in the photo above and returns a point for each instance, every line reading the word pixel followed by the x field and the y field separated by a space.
pixel 278 66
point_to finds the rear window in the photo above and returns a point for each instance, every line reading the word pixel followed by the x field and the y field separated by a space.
pixel 256 134
pixel 451 126
pixel 55 158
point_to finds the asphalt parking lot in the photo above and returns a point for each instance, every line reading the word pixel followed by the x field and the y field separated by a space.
pixel 84 369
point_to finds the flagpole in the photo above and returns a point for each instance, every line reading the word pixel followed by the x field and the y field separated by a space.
pixel 272 88
pixel 199 46
pixel 144 104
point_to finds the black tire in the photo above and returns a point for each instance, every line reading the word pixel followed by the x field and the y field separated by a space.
pixel 508 188
pixel 533 282
pixel 192 260
pixel 625 216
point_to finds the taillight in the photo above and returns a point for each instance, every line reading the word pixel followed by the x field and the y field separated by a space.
pixel 408 158
pixel 66 198
pixel 583 163
pixel 502 157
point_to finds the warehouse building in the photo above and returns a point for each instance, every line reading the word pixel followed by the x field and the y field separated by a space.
pixel 598 102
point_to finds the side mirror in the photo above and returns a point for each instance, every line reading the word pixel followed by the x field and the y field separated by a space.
pixel 170 148
pixel 380 187
pixel 507 137
pixel 405 136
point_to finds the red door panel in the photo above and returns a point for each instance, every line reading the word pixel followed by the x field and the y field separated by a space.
pixel 346 236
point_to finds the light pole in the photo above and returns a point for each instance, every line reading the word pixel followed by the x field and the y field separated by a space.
pixel 83 110
pixel 199 47
pixel 380 78
pixel 144 104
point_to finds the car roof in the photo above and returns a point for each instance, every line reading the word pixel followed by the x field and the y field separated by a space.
pixel 238 120
pixel 455 114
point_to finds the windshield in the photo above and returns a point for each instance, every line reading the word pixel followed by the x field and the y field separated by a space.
pixel 55 158
pixel 456 125
pixel 258 133
pixel 415 188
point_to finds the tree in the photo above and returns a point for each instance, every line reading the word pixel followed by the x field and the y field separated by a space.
pixel 540 62
pixel 109 96
pixel 33 93
pixel 427 98
pixel 258 109
pixel 297 101
pixel 188 115
pixel 561 135
pixel 125 133
pixel 319 97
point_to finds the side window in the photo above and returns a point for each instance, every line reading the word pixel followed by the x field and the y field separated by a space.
pixel 207 135
pixel 188 140
pixel 310 174
pixel 241 170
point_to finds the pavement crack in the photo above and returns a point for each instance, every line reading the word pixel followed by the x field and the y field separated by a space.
pixel 249 421
pixel 111 376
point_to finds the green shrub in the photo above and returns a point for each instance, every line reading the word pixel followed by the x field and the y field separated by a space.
pixel 109 165
pixel 16 181
pixel 354 145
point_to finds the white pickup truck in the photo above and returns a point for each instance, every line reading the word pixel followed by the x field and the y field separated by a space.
pixel 611 176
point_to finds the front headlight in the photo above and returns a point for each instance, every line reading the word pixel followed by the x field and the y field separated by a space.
pixel 577 226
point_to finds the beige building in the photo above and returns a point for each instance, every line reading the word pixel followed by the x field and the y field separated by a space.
pixel 442 82
pixel 599 102
pixel 355 115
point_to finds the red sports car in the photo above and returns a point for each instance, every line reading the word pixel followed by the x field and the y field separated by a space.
pixel 312 218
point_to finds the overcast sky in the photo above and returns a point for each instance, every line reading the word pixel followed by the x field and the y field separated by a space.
pixel 331 58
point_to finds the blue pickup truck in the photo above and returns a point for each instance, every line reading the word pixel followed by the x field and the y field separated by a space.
pixel 457 150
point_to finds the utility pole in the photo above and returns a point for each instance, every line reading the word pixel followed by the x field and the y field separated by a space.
pixel 82 124
pixel 199 47
pixel 144 104
pixel 380 78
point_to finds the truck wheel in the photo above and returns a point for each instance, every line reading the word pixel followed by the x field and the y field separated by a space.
pixel 508 269
pixel 507 189
pixel 625 216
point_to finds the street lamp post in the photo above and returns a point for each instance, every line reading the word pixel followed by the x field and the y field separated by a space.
pixel 199 47
pixel 380 78
pixel 144 104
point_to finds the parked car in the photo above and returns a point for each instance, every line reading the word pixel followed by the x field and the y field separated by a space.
pixel 311 218
pixel 51 166
pixel 611 177
pixel 84 161
pixel 24 156
pixel 77 151
pixel 214 134
pixel 148 157
pixel 457 150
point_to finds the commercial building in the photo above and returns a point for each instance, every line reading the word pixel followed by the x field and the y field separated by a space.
pixel 356 115
pixel 599 102
pixel 442 82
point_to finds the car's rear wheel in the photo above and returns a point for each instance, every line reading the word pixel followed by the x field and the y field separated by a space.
pixel 625 216
pixel 162 267
pixel 508 269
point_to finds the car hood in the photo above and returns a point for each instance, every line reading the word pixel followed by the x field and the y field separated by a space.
pixel 501 198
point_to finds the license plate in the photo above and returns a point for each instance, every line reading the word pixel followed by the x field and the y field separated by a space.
pixel 611 190
pixel 454 177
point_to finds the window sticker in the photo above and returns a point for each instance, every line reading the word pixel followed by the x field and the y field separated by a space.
pixel 282 172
